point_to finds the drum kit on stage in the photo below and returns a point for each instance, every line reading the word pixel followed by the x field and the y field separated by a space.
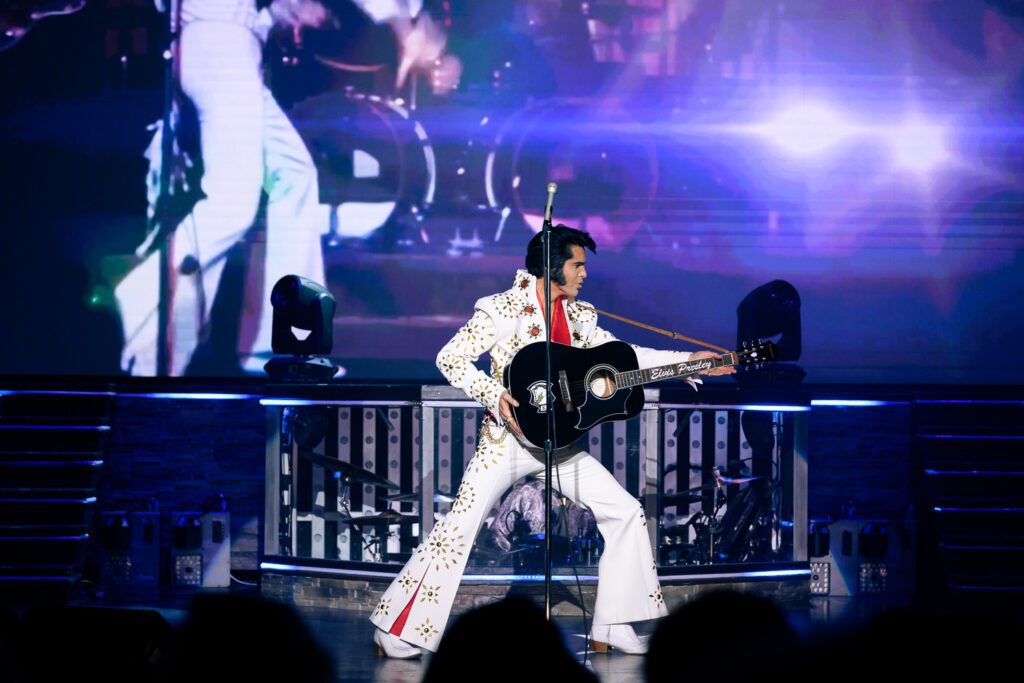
pixel 380 523
pixel 724 529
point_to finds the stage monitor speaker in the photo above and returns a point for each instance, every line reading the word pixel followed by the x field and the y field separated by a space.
pixel 186 550
pixel 201 549
pixel 872 556
pixel 216 550
pixel 129 554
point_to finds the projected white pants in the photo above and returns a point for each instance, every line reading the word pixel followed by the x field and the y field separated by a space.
pixel 248 146
pixel 627 590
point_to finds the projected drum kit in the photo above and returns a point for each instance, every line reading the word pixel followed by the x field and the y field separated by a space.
pixel 477 162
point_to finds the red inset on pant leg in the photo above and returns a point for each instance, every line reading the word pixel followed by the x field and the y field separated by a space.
pixel 396 628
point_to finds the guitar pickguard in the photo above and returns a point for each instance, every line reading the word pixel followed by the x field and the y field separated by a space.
pixel 596 409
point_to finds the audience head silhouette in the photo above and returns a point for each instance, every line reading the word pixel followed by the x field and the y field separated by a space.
pixel 507 641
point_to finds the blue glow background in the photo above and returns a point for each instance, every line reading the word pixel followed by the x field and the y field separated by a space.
pixel 869 153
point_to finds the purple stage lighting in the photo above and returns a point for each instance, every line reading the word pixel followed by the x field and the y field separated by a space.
pixel 808 129
pixel 917 146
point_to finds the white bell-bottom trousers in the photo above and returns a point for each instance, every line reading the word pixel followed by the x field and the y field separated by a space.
pixel 248 146
pixel 628 588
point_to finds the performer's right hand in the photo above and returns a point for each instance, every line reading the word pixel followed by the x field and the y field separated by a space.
pixel 505 406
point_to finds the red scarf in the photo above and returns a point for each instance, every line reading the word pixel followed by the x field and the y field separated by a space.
pixel 559 325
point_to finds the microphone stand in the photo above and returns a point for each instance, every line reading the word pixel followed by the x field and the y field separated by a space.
pixel 170 56
pixel 549 403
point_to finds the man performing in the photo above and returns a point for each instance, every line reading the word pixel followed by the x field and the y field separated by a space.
pixel 249 146
pixel 413 611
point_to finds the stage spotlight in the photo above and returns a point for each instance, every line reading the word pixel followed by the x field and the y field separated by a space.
pixel 771 311
pixel 918 146
pixel 807 129
pixel 304 328
pixel 303 317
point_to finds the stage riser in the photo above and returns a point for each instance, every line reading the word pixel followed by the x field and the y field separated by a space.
pixel 363 596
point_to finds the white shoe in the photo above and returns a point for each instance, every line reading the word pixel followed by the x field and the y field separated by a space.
pixel 390 645
pixel 622 637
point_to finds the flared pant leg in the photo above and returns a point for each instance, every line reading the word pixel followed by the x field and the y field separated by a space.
pixel 627 578
pixel 417 604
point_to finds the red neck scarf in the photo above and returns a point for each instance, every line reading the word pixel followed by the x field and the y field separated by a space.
pixel 559 325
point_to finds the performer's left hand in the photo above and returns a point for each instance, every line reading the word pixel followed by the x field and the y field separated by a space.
pixel 714 372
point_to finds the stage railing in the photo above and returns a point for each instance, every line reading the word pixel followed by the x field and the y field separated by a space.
pixel 722 476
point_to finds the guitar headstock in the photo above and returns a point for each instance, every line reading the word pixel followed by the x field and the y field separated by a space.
pixel 756 351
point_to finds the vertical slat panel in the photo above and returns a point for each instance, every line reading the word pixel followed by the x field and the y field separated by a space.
pixel 650 469
pixel 287 517
pixel 722 439
pixel 634 449
pixel 272 472
pixel 317 548
pixel 345 531
pixel 428 450
pixel 607 457
pixel 670 464
pixel 619 452
pixel 444 454
pixel 695 456
pixel 594 446
pixel 470 423
pixel 369 462
pixel 394 464
pixel 415 458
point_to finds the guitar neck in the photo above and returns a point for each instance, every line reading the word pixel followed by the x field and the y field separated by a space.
pixel 634 378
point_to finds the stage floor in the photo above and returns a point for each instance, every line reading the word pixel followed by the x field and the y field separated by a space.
pixel 347 635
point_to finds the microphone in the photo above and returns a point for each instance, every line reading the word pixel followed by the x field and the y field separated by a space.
pixel 552 189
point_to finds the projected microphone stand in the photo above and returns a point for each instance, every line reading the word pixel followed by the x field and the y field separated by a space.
pixel 549 441
pixel 163 214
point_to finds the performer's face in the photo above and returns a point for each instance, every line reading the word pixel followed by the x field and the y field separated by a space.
pixel 574 272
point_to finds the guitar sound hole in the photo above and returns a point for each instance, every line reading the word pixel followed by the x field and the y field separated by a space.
pixel 602 383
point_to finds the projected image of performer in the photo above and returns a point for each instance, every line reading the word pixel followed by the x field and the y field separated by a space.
pixel 413 611
pixel 248 146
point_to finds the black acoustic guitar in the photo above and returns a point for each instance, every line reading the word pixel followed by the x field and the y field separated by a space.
pixel 596 385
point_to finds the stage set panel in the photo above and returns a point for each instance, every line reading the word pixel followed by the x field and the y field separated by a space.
pixel 356 479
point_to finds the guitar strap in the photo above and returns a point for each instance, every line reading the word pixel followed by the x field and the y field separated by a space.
pixel 667 333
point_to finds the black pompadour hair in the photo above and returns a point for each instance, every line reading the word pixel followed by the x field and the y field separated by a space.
pixel 562 239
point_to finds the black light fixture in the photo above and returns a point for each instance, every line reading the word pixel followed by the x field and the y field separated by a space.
pixel 303 328
pixel 771 311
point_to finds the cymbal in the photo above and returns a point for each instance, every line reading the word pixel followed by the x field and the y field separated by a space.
pixel 705 487
pixel 348 470
pixel 386 518
pixel 675 466
pixel 684 498
pixel 736 480
pixel 415 496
